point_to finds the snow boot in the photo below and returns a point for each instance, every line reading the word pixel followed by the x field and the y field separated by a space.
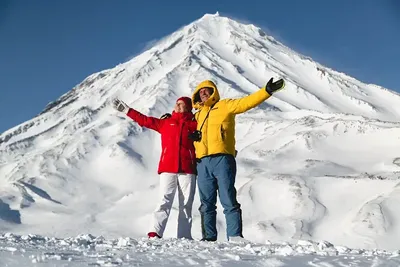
pixel 213 239
pixel 238 240
pixel 153 235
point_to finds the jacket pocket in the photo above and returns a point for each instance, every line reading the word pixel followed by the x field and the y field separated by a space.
pixel 222 133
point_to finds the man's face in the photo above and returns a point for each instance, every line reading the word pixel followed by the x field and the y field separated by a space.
pixel 205 94
pixel 180 107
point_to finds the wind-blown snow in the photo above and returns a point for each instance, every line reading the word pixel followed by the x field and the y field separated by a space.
pixel 317 161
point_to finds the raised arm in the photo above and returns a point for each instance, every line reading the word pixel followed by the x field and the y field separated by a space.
pixel 143 120
pixel 246 103
pixel 240 105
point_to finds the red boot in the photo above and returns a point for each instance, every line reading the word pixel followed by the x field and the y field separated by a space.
pixel 153 235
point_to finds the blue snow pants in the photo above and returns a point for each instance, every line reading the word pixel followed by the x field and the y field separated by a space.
pixel 217 173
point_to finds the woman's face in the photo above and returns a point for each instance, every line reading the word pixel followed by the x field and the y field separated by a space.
pixel 180 107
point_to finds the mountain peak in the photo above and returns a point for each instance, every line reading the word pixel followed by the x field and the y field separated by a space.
pixel 210 15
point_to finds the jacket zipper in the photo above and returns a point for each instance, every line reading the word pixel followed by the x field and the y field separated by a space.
pixel 180 145
pixel 191 156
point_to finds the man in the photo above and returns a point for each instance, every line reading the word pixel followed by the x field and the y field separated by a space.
pixel 215 153
pixel 177 165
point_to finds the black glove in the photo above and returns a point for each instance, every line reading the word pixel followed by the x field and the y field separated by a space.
pixel 165 116
pixel 272 87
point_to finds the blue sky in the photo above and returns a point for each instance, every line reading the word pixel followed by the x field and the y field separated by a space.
pixel 47 46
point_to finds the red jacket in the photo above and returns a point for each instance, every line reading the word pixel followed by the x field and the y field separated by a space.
pixel 178 155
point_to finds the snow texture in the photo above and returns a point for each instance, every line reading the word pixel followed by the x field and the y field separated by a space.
pixel 319 160
pixel 88 250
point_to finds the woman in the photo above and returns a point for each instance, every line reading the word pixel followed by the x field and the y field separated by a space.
pixel 177 166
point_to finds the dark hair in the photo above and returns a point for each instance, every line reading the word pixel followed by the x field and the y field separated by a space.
pixel 210 90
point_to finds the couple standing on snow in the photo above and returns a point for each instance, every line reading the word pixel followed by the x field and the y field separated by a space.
pixel 201 144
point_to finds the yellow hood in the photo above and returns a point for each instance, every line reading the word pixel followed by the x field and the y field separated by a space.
pixel 214 98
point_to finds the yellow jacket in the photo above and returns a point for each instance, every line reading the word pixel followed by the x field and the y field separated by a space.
pixel 218 132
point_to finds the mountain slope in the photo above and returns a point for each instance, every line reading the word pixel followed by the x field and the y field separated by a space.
pixel 320 154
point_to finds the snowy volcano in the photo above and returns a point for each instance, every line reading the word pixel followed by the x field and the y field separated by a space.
pixel 319 160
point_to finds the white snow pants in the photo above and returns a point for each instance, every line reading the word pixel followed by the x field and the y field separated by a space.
pixel 186 185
